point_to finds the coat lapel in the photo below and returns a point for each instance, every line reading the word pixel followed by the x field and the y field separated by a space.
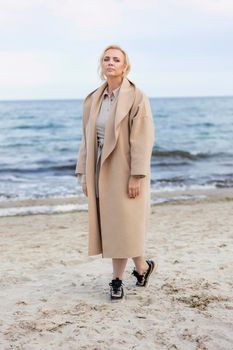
pixel 91 122
pixel 119 111
pixel 95 106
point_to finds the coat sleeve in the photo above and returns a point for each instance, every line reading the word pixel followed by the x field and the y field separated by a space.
pixel 141 138
pixel 81 159
pixel 80 169
pixel 81 179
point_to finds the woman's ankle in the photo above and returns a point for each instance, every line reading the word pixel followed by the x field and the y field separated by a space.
pixel 119 277
pixel 142 268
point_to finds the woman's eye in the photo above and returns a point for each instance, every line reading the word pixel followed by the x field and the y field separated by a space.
pixel 115 60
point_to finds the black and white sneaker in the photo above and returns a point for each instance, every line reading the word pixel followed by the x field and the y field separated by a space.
pixel 116 290
pixel 142 280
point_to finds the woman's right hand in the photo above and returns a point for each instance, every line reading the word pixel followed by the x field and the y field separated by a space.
pixel 84 186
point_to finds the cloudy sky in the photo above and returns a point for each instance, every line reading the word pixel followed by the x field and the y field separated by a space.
pixel 50 48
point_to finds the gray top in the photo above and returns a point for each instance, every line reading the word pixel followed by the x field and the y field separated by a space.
pixel 104 112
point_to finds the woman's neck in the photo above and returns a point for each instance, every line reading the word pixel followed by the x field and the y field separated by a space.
pixel 113 84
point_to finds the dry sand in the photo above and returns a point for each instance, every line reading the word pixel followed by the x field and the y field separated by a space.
pixel 55 297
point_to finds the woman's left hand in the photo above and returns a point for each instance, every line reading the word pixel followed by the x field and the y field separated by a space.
pixel 133 186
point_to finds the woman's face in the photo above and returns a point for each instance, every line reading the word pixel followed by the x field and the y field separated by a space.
pixel 113 63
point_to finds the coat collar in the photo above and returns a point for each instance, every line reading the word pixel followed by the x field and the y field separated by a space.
pixel 124 103
pixel 114 92
pixel 125 99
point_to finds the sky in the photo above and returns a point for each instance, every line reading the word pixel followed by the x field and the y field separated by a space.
pixel 49 49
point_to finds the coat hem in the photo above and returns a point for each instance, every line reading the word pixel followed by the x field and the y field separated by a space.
pixel 128 256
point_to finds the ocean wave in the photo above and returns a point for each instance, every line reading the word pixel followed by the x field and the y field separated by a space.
pixel 187 155
pixel 174 183
pixel 183 187
pixel 69 208
pixel 173 179
pixel 42 209
pixel 205 124
pixel 167 164
pixel 177 158
pixel 177 198
pixel 39 126
pixel 225 183
pixel 57 168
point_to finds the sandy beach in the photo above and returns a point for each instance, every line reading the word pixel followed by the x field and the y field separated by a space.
pixel 53 296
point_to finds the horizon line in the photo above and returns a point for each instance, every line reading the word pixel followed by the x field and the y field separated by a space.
pixel 82 98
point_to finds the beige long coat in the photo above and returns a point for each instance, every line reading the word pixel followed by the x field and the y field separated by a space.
pixel 129 138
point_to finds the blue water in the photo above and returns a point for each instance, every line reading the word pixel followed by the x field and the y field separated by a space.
pixel 39 144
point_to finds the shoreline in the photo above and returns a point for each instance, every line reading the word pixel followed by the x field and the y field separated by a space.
pixel 57 205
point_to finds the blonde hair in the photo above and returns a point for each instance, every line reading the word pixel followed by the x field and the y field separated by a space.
pixel 126 70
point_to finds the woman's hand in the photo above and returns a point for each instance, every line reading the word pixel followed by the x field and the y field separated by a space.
pixel 84 187
pixel 134 186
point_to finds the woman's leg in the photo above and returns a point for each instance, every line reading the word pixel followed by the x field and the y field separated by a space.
pixel 143 269
pixel 140 264
pixel 118 268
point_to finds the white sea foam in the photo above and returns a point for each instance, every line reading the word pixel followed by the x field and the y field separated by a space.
pixel 177 198
pixel 43 209
pixel 181 188
pixel 67 208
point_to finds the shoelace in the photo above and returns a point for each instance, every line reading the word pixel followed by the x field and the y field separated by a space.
pixel 116 285
pixel 139 277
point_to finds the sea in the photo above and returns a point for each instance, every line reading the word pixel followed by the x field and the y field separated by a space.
pixel 39 142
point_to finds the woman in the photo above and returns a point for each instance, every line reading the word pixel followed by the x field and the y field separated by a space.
pixel 113 167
